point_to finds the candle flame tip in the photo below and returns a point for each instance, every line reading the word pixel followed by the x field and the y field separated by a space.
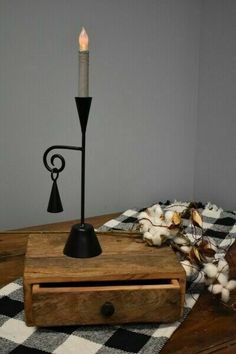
pixel 83 40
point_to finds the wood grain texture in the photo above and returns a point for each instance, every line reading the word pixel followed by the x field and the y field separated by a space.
pixel 226 347
pixel 70 306
pixel 143 283
pixel 122 258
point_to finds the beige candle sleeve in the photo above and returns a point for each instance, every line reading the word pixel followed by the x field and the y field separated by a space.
pixel 84 73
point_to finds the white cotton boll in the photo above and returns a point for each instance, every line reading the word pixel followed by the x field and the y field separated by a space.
pixel 210 270
pixel 213 207
pixel 144 222
pixel 145 225
pixel 223 279
pixel 150 212
pixel 223 266
pixel 157 230
pixel 143 215
pixel 215 289
pixel 180 241
pixel 147 236
pixel 216 208
pixel 155 210
pixel 185 249
pixel 208 206
pixel 154 229
pixel 144 228
pixel 231 285
pixel 156 239
pixel 156 220
pixel 168 216
pixel 225 295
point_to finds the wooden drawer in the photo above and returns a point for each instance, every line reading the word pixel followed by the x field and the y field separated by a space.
pixel 128 282
pixel 106 303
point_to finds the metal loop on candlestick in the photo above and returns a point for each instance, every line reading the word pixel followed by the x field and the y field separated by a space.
pixel 54 175
pixel 57 157
pixel 62 160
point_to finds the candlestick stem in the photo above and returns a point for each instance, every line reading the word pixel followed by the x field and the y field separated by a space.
pixel 83 178
pixel 82 241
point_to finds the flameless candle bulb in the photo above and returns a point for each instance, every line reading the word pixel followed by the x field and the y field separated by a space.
pixel 83 64
pixel 83 40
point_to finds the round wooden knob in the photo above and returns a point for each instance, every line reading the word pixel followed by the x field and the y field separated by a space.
pixel 107 309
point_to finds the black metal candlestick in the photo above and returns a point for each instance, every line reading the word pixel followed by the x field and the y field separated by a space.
pixel 82 241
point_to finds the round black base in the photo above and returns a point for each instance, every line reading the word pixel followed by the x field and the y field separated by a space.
pixel 82 242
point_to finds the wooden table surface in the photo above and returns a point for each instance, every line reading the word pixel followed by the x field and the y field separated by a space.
pixel 209 328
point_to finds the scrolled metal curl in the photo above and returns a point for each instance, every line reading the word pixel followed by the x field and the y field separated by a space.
pixel 55 169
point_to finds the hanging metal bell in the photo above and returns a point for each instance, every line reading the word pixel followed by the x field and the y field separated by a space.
pixel 54 205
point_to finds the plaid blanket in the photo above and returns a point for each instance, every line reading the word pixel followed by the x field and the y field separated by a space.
pixel 16 337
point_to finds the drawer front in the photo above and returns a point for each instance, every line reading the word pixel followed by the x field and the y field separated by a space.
pixel 105 304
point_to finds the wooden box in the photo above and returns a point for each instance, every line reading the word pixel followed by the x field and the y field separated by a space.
pixel 128 282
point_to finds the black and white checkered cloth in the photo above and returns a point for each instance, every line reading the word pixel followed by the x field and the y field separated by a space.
pixel 16 337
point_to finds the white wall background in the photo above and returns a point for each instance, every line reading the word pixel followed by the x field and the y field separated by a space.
pixel 215 169
pixel 143 144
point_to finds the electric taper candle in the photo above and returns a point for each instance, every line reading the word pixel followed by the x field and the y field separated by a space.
pixel 83 64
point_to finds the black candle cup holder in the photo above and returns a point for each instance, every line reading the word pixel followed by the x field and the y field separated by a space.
pixel 82 241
